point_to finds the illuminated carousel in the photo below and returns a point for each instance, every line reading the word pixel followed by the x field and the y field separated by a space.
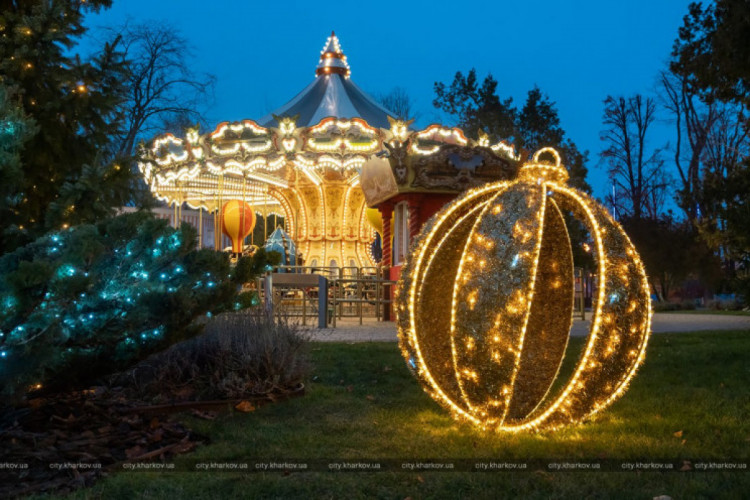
pixel 319 162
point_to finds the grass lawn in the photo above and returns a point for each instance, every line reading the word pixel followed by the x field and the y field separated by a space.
pixel 691 400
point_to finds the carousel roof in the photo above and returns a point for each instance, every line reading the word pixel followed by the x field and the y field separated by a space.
pixel 332 93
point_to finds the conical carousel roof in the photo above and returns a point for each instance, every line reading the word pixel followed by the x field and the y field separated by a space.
pixel 332 93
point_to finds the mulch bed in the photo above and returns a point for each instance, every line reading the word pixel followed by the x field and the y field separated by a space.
pixel 66 441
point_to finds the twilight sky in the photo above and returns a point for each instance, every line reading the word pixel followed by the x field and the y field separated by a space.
pixel 576 51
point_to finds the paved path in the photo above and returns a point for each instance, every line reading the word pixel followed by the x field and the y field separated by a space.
pixel 349 329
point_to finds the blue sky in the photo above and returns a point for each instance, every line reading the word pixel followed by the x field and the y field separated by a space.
pixel 577 52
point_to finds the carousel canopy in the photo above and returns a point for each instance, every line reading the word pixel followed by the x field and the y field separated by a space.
pixel 332 93
pixel 280 241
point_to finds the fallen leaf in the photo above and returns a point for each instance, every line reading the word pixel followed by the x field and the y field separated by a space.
pixel 420 479
pixel 683 441
pixel 370 397
pixel 663 497
pixel 156 436
pixel 245 407
pixel 349 388
pixel 387 368
pixel 678 434
pixel 154 423
pixel 686 465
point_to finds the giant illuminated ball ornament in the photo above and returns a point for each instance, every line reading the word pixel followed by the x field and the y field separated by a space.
pixel 486 300
pixel 237 221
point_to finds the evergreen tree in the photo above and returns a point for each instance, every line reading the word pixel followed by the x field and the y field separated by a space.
pixel 87 301
pixel 477 106
pixel 712 56
pixel 15 130
pixel 537 125
pixel 68 176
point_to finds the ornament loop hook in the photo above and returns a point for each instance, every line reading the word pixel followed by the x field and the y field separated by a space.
pixel 549 150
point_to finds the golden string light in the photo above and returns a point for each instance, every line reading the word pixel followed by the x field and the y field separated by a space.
pixel 489 347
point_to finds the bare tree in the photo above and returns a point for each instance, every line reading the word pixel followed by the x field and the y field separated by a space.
pixel 163 88
pixel 728 141
pixel 398 102
pixel 635 170
pixel 694 118
pixel 727 148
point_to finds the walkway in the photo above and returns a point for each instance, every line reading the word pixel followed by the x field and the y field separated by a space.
pixel 349 329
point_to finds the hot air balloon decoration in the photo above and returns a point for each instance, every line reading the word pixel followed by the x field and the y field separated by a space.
pixel 237 221
pixel 486 299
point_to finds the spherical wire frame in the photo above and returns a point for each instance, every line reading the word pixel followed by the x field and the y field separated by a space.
pixel 617 339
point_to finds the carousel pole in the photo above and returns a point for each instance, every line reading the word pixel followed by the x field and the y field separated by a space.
pixel 265 218
pixel 242 219
pixel 200 225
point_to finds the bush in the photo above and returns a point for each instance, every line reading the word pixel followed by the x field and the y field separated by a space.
pixel 687 305
pixel 94 299
pixel 720 304
pixel 239 355
pixel 665 306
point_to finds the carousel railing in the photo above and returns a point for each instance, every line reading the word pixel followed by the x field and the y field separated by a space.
pixel 349 292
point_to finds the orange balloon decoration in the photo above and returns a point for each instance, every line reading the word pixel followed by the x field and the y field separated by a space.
pixel 237 221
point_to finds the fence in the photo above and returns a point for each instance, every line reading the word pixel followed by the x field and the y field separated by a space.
pixel 328 293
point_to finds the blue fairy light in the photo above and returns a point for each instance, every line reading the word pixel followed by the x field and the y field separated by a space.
pixel 163 276
pixel 514 262
pixel 10 301
pixel 66 271
pixel 3 354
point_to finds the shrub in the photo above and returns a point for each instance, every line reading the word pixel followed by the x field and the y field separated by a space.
pixel 239 355
pixel 85 302
pixel 665 306
pixel 687 305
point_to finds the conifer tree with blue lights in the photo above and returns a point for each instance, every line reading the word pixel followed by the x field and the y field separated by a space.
pixel 87 301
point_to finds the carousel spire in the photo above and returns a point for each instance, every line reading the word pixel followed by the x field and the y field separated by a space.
pixel 332 59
